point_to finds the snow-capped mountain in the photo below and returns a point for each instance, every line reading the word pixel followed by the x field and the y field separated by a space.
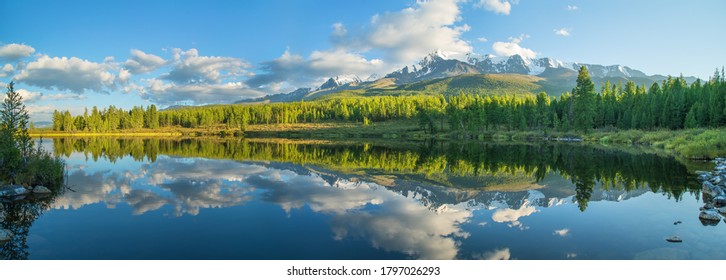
pixel 435 65
pixel 555 75
pixel 339 81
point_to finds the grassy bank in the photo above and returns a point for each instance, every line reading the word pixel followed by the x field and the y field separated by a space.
pixel 689 143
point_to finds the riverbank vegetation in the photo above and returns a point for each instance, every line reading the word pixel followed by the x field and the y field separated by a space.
pixel 20 162
pixel 688 119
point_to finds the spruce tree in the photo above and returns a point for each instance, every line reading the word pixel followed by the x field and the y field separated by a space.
pixel 584 97
pixel 14 121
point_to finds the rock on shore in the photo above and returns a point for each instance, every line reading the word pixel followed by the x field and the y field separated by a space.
pixel 714 193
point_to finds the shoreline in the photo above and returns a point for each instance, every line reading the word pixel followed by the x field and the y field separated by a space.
pixel 689 143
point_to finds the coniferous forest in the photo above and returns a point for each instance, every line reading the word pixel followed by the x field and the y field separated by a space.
pixel 672 104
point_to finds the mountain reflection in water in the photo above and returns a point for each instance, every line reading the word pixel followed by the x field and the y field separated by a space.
pixel 424 201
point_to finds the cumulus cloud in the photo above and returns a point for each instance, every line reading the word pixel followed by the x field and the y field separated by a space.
pixel 141 62
pixel 401 38
pixel 13 52
pixel 563 32
pixel 512 47
pixel 294 69
pixel 29 96
pixel 62 73
pixel 6 70
pixel 412 33
pixel 482 39
pixel 496 6
pixel 124 75
pixel 191 79
pixel 171 93
pixel 572 8
pixel 191 68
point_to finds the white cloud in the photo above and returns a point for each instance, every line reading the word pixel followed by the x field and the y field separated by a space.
pixel 15 51
pixel 562 232
pixel 124 75
pixel 62 96
pixel 401 38
pixel 191 80
pixel 412 33
pixel 339 29
pixel 29 96
pixel 563 32
pixel 171 93
pixel 482 39
pixel 572 8
pixel 191 68
pixel 7 70
pixel 141 62
pixel 512 47
pixel 74 74
pixel 496 6
pixel 295 70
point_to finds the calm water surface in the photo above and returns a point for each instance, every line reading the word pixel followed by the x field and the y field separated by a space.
pixel 234 199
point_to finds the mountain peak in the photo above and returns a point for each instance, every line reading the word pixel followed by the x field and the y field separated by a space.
pixel 340 80
pixel 433 57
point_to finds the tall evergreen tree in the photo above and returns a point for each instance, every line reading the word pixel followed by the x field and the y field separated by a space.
pixel 584 99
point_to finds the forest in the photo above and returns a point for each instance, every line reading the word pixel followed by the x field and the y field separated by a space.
pixel 672 104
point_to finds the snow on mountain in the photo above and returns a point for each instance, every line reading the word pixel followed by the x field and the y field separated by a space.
pixel 340 80
pixel 373 77
pixel 439 64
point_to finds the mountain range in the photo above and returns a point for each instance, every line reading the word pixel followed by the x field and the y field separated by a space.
pixel 438 73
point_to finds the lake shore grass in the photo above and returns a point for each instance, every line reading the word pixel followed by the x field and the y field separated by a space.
pixel 688 143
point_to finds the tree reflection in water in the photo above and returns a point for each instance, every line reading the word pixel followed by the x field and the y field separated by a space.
pixel 19 217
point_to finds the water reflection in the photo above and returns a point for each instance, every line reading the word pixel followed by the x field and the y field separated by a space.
pixel 17 218
pixel 417 201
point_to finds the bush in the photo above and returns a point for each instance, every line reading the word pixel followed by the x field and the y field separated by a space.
pixel 43 169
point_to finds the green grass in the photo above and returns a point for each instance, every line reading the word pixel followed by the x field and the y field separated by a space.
pixel 689 143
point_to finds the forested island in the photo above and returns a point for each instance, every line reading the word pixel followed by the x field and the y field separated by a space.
pixel 675 115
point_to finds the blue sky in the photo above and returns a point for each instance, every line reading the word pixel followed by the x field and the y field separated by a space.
pixel 69 55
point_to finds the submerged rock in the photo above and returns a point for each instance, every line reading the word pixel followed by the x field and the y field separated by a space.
pixel 711 215
pixel 674 239
pixel 41 190
pixel 12 190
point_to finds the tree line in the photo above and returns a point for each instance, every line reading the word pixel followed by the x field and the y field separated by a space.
pixel 671 104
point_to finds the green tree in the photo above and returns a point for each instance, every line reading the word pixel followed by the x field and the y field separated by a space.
pixel 584 99
pixel 14 122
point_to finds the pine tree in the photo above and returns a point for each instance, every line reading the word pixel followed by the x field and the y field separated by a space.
pixel 584 97
pixel 14 122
